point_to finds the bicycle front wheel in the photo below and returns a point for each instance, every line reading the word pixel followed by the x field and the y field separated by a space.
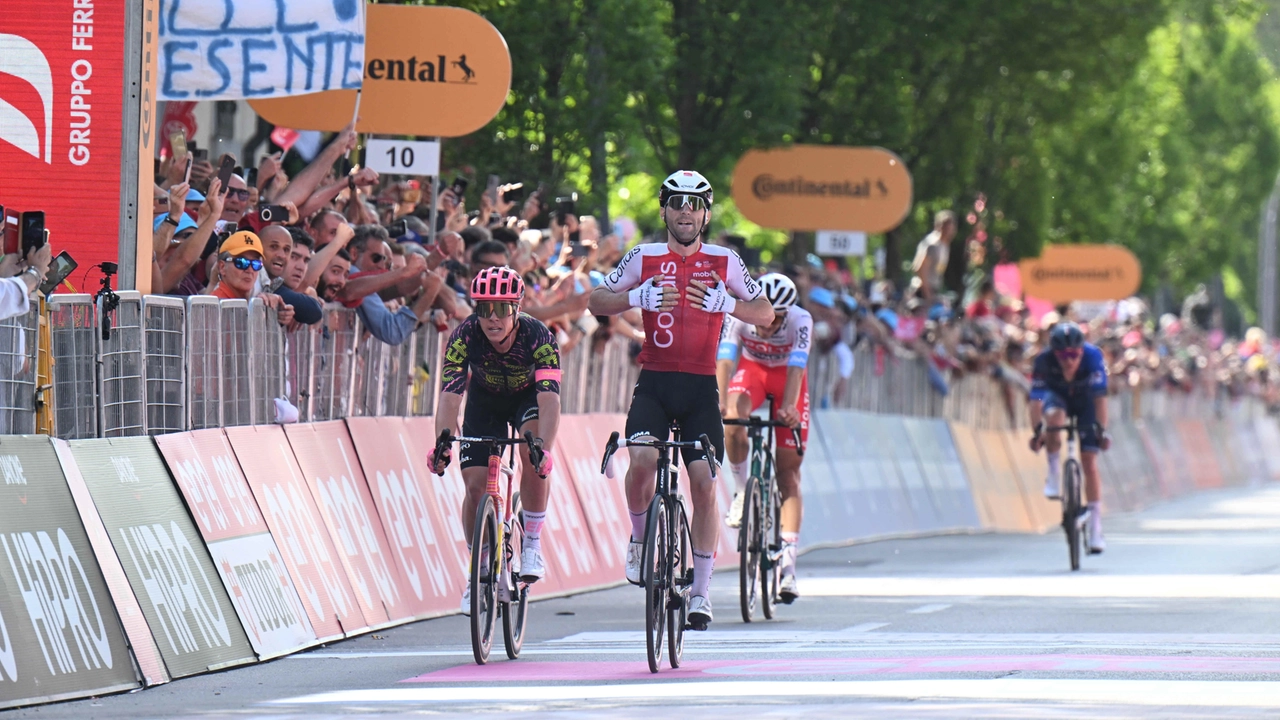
pixel 749 545
pixel 656 572
pixel 515 612
pixel 485 562
pixel 771 555
pixel 1071 509
pixel 681 582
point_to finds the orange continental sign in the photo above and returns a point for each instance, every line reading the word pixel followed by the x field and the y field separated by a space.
pixel 821 187
pixel 428 70
pixel 1064 273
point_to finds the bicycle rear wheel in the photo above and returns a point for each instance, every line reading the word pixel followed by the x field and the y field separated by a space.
pixel 515 612
pixel 655 574
pixel 484 580
pixel 1071 507
pixel 681 580
pixel 749 545
pixel 771 555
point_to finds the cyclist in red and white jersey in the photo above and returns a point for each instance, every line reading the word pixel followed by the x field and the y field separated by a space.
pixel 684 288
pixel 774 362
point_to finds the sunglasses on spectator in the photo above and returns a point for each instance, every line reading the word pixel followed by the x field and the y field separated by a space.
pixel 241 193
pixel 1069 354
pixel 680 202
pixel 491 308
pixel 241 263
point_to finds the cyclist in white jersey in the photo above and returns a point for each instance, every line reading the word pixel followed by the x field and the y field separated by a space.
pixel 774 362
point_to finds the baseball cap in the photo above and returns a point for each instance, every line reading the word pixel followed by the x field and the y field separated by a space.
pixel 823 297
pixel 184 223
pixel 240 243
pixel 194 195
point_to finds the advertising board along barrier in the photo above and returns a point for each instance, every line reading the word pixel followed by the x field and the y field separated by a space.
pixel 129 611
pixel 227 516
pixel 60 637
pixel 1065 273
pixel 858 482
pixel 400 484
pixel 603 499
pixel 295 522
pixel 187 608
pixel 953 501
pixel 328 460
pixel 823 187
pixel 831 515
pixel 428 70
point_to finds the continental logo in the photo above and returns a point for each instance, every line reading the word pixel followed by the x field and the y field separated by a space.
pixel 439 70
pixel 767 186
pixel 1046 274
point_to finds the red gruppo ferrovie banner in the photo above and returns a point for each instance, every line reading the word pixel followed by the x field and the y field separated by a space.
pixel 61 116
pixel 244 553
pixel 295 521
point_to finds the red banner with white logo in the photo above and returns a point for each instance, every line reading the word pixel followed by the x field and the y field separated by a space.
pixel 61 112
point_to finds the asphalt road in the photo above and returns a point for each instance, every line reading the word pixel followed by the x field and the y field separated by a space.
pixel 1177 619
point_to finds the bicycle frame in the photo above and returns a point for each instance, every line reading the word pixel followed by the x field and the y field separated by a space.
pixel 497 469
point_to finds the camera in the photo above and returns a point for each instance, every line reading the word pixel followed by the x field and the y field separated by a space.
pixel 566 206
pixel 273 213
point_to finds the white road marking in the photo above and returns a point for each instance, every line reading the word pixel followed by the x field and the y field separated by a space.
pixel 1155 693
pixel 1064 586
pixel 928 609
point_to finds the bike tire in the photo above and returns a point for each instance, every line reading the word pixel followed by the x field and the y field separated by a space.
pixel 1071 511
pixel 771 565
pixel 682 581
pixel 655 573
pixel 484 580
pixel 515 613
pixel 750 542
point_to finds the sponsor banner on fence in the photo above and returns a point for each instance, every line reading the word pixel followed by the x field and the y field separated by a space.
pixel 603 499
pixel 253 571
pixel 59 633
pixel 831 516
pixel 328 460
pixel 126 603
pixel 567 545
pixel 401 487
pixel 186 606
pixel 295 522
pixel 931 439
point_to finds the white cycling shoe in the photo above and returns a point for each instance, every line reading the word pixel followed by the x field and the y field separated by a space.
pixel 734 517
pixel 466 599
pixel 635 552
pixel 1052 489
pixel 699 612
pixel 787 591
pixel 532 567
pixel 1097 543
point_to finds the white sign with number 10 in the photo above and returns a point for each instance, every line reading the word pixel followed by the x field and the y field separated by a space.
pixel 403 157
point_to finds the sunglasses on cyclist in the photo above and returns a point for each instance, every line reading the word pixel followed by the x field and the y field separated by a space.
pixel 241 263
pixel 680 202
pixel 491 308
pixel 1069 354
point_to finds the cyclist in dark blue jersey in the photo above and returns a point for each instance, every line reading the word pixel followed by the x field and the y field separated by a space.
pixel 1070 379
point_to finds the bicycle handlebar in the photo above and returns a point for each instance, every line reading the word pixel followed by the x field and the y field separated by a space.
pixel 536 451
pixel 616 441
pixel 755 422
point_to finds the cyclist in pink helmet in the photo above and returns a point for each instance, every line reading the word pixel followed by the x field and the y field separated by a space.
pixel 509 365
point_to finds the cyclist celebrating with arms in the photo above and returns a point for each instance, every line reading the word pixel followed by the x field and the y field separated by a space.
pixel 1070 378
pixel 678 361
pixel 775 359
pixel 514 365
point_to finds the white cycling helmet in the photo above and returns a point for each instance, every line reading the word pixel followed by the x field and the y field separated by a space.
pixel 685 182
pixel 780 290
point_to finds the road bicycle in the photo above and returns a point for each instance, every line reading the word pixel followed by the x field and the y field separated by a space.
pixel 496 586
pixel 1075 514
pixel 666 572
pixel 760 534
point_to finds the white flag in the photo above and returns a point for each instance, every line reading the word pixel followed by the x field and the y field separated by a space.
pixel 233 49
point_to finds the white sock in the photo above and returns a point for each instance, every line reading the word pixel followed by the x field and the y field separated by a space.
pixel 638 521
pixel 789 548
pixel 702 566
pixel 741 473
pixel 1054 465
pixel 533 528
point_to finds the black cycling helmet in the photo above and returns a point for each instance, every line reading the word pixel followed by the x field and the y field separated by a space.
pixel 1066 335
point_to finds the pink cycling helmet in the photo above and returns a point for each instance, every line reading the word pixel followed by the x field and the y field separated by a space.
pixel 497 283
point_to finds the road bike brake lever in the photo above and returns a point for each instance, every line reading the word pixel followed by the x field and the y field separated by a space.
pixel 707 450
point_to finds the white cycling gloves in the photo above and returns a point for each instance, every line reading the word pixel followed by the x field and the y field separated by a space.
pixel 648 296
pixel 718 300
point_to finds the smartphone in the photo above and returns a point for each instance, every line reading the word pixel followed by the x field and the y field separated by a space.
pixel 274 213
pixel 251 177
pixel 578 250
pixel 178 141
pixel 201 155
pixel 190 161
pixel 566 206
pixel 459 186
pixel 224 172
pixel 514 193
pixel 31 230
pixel 10 230
pixel 61 267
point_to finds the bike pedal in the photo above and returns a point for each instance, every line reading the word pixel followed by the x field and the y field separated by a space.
pixel 699 627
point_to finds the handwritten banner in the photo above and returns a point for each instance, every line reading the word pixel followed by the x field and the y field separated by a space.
pixel 232 49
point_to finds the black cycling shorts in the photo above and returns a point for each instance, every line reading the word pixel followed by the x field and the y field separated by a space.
pixel 693 401
pixel 488 415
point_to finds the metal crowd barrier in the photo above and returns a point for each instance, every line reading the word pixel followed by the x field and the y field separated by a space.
pixel 165 376
pixel 122 407
pixel 18 362
pixel 204 369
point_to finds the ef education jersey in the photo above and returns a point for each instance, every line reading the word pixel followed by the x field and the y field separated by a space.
pixel 788 347
pixel 534 359
pixel 684 339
